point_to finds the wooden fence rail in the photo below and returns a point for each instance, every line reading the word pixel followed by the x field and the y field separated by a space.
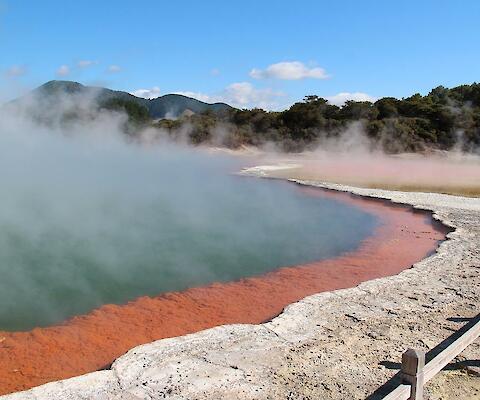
pixel 415 373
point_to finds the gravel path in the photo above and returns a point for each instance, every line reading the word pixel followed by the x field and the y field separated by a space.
pixel 337 345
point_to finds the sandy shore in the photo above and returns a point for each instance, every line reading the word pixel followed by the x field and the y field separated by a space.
pixel 340 344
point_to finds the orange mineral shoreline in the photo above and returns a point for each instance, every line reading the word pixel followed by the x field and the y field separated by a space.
pixel 90 342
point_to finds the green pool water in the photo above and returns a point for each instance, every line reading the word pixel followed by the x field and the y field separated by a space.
pixel 91 227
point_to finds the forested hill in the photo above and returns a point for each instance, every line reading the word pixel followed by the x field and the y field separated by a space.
pixel 170 105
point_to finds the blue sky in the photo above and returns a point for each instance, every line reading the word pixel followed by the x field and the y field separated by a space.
pixel 249 53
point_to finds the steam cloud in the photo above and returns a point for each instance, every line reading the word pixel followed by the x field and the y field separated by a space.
pixel 87 216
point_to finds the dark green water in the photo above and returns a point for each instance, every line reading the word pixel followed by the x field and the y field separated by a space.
pixel 81 230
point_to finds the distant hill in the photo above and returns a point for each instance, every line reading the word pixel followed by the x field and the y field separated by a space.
pixel 167 106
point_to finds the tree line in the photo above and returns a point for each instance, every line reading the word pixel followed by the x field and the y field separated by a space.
pixel 442 119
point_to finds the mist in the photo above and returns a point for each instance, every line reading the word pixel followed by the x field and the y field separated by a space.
pixel 89 217
pixel 353 158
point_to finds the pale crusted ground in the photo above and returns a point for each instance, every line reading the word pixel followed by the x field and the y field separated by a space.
pixel 338 345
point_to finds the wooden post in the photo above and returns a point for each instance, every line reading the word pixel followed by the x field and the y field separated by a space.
pixel 413 363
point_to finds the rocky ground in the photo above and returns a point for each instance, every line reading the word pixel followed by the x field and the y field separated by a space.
pixel 344 344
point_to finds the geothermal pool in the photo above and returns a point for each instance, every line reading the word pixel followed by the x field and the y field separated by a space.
pixel 105 245
pixel 110 234
pixel 93 226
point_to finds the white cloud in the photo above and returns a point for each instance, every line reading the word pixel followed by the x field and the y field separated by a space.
pixel 16 70
pixel 215 72
pixel 340 98
pixel 241 95
pixel 245 94
pixel 289 70
pixel 206 98
pixel 113 69
pixel 152 93
pixel 85 63
pixel 63 70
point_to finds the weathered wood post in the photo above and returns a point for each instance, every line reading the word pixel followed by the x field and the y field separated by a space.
pixel 413 363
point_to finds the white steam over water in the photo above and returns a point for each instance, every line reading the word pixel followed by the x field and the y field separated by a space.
pixel 87 218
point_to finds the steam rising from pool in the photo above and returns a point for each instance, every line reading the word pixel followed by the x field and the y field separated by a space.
pixel 88 219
